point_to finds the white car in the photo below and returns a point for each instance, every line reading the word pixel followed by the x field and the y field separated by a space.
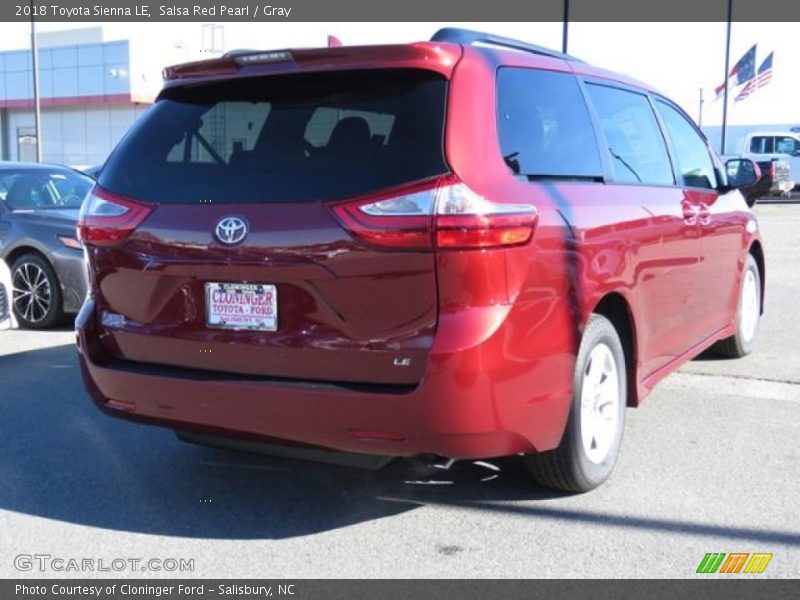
pixel 7 320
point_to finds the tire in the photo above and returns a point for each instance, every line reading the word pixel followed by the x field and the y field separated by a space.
pixel 748 315
pixel 592 438
pixel 32 274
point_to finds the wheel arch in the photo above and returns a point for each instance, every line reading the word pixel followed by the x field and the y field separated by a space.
pixel 23 249
pixel 757 252
pixel 616 308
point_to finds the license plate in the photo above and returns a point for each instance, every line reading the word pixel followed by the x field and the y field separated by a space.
pixel 252 306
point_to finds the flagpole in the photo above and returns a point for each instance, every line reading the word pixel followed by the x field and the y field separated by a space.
pixel 727 63
pixel 700 111
pixel 565 31
pixel 37 110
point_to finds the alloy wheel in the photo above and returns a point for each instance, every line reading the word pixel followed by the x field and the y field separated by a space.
pixel 31 293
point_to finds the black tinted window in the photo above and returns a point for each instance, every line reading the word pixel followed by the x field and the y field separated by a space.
pixel 544 125
pixel 635 144
pixel 294 138
pixel 761 144
pixel 694 159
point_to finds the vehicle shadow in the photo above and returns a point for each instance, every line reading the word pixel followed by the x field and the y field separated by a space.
pixel 62 459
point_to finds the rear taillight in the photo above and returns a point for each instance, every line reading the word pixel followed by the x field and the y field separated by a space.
pixel 466 220
pixel 773 170
pixel 445 213
pixel 402 220
pixel 107 219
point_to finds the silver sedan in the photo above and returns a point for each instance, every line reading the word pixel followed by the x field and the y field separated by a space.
pixel 7 320
pixel 39 207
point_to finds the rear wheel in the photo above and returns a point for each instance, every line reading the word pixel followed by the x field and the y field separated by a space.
pixel 36 292
pixel 592 439
pixel 748 315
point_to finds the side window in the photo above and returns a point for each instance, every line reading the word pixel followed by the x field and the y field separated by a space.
pixel 544 125
pixel 694 159
pixel 787 145
pixel 635 144
pixel 761 144
pixel 27 192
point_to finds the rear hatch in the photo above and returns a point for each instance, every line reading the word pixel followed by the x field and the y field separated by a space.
pixel 218 234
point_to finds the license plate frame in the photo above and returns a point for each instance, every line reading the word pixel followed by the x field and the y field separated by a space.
pixel 240 317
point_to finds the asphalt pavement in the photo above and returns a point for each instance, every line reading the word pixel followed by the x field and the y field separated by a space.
pixel 709 464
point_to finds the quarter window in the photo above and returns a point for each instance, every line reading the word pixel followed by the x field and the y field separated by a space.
pixel 694 159
pixel 544 125
pixel 636 147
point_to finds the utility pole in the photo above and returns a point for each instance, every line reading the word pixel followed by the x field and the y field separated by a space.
pixel 700 114
pixel 37 109
pixel 727 65
pixel 565 32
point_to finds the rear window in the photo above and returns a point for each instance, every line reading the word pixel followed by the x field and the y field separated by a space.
pixel 290 138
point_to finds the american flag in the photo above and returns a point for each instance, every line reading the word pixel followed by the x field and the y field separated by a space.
pixel 744 70
pixel 765 71
pixel 763 77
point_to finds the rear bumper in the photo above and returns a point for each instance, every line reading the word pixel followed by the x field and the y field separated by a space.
pixel 471 404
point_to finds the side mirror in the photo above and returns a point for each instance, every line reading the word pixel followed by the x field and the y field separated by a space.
pixel 742 173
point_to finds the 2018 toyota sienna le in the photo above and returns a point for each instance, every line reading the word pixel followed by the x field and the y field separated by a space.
pixel 469 247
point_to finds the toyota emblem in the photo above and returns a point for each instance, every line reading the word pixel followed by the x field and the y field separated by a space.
pixel 230 230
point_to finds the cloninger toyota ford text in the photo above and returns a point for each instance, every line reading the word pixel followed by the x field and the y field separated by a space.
pixel 469 247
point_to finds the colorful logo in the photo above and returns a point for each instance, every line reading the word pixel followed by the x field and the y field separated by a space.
pixel 735 562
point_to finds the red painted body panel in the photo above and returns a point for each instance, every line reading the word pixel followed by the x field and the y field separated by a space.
pixel 345 311
pixel 492 334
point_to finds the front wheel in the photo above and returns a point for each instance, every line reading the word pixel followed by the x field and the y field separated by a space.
pixel 593 436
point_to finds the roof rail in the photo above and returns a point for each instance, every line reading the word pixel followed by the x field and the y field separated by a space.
pixel 469 37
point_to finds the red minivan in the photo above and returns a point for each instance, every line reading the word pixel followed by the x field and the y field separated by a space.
pixel 469 247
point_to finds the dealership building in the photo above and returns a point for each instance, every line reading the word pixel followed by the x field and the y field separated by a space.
pixel 91 91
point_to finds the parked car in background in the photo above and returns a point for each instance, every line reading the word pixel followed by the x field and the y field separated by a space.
pixel 39 207
pixel 468 247
pixel 7 320
pixel 777 154
pixel 774 180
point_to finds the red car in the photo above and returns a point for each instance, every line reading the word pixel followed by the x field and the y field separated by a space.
pixel 468 247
